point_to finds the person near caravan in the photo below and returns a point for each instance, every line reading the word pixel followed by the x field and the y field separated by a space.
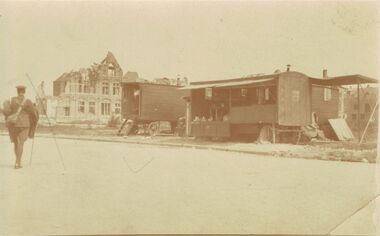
pixel 21 118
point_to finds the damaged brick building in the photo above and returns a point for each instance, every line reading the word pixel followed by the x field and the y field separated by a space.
pixel 89 94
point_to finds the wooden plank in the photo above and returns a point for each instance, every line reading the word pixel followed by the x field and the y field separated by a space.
pixel 196 129
pixel 223 129
pixel 209 129
pixel 253 114
pixel 341 129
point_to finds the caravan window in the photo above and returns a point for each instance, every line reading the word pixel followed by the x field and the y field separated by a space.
pixel 239 97
pixel 327 94
pixel 295 95
pixel 270 95
pixel 208 93
pixel 254 95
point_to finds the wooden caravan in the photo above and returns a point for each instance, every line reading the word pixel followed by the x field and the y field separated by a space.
pixel 148 103
pixel 281 102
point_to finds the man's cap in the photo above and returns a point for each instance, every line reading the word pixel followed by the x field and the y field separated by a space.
pixel 21 87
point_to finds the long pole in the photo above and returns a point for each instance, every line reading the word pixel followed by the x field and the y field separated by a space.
pixel 369 120
pixel 31 153
pixel 50 126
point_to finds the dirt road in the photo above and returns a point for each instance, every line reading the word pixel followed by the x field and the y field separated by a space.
pixel 124 188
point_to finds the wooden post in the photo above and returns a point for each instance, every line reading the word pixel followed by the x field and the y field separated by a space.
pixel 273 133
pixel 188 118
pixel 358 113
pixel 140 99
pixel 229 99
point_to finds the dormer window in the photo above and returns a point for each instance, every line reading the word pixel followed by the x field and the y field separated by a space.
pixel 111 70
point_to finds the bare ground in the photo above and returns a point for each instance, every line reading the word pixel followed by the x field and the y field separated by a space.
pixel 126 188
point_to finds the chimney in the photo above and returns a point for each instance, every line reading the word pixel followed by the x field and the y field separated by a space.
pixel 288 67
pixel 325 74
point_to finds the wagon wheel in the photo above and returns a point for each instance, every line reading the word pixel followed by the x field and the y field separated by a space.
pixel 153 128
pixel 135 130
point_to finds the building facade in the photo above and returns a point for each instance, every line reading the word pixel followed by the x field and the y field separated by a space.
pixel 89 94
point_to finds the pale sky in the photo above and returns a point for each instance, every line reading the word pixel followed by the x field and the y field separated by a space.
pixel 199 40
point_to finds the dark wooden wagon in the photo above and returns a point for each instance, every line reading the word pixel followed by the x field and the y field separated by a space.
pixel 147 104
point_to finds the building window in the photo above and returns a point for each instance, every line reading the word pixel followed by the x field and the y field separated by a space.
pixel 116 89
pixel 367 108
pixel 67 111
pixel 327 94
pixel 117 108
pixel 105 88
pixel 362 116
pixel 93 89
pixel 239 97
pixel 72 88
pixel 81 106
pixel 105 108
pixel 355 106
pixel 86 87
pixel 80 87
pixel 91 107
pixel 353 116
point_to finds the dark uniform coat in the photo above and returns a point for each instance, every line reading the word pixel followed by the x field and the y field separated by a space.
pixel 26 123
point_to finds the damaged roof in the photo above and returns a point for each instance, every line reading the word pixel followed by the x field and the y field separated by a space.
pixel 68 76
pixel 110 59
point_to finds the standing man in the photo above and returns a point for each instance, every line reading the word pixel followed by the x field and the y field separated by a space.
pixel 25 124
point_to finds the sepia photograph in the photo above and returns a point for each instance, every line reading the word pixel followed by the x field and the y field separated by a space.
pixel 189 117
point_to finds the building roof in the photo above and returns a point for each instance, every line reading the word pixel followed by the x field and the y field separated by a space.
pixel 257 77
pixel 226 84
pixel 344 80
pixel 331 81
pixel 132 77
pixel 67 76
pixel 110 59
